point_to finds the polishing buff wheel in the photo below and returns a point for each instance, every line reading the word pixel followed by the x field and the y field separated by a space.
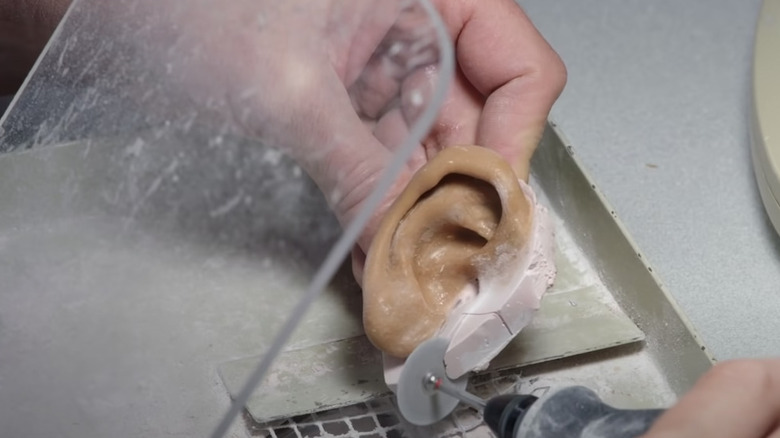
pixel 418 404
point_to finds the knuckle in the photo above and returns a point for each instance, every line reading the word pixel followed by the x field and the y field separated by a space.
pixel 548 73
pixel 555 73
pixel 561 73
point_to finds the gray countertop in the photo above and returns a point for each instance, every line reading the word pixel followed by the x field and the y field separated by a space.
pixel 657 109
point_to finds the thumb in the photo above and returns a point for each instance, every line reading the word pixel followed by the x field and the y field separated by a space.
pixel 520 75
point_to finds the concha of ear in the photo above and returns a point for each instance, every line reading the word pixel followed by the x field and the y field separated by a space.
pixel 458 216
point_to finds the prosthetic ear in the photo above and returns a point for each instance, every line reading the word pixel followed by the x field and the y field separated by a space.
pixel 460 216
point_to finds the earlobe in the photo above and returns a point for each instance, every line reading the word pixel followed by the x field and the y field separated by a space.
pixel 462 217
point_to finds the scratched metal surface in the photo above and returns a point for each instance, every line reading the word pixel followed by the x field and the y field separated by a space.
pixel 117 304
pixel 117 308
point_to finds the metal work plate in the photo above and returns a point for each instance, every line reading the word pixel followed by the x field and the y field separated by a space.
pixel 117 309
pixel 577 316
pixel 603 292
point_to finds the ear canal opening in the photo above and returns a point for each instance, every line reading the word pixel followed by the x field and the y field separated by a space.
pixel 467 236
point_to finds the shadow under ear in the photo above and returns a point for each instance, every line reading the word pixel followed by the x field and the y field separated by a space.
pixel 462 216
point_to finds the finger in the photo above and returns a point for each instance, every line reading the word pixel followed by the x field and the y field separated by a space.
pixel 374 89
pixel 506 59
pixel 358 264
pixel 392 130
pixel 458 118
pixel 736 399
pixel 377 81
pixel 355 31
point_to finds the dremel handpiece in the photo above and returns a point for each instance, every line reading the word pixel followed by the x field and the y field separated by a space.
pixel 570 412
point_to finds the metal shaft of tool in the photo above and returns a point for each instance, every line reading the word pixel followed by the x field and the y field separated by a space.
pixel 436 383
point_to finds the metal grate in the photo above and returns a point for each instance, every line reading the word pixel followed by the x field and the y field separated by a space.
pixel 380 418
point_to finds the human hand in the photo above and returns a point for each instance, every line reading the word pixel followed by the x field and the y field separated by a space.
pixel 507 79
pixel 312 79
pixel 735 399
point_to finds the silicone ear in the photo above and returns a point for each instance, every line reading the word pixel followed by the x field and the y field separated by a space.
pixel 462 214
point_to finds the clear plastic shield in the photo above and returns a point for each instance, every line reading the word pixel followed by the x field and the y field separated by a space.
pixel 168 182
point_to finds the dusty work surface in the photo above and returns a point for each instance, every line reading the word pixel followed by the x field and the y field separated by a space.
pixel 577 316
pixel 130 271
pixel 117 310
pixel 642 374
pixel 580 328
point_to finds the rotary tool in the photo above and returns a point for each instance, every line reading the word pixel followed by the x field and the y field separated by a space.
pixel 426 395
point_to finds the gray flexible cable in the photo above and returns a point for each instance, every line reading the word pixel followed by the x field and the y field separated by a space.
pixel 347 240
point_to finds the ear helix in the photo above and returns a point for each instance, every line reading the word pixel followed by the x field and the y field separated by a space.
pixel 456 217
